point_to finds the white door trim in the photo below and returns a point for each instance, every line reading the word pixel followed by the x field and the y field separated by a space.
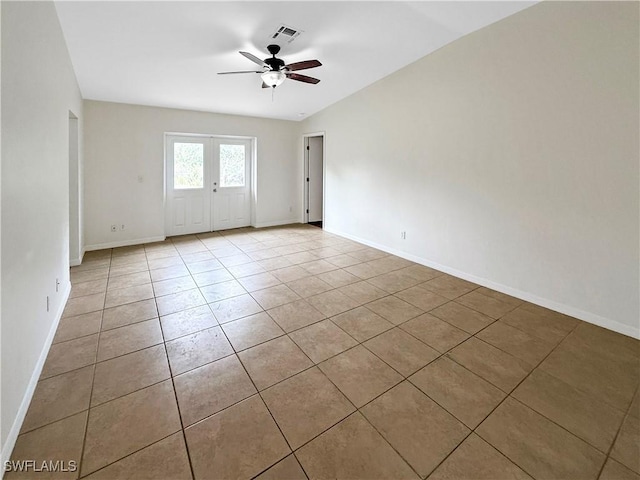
pixel 76 247
pixel 305 196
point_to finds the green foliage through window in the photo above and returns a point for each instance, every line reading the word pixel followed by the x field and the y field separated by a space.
pixel 232 165
pixel 188 165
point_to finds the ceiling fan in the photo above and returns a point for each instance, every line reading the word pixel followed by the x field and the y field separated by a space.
pixel 274 71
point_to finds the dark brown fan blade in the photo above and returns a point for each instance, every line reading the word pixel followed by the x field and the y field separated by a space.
pixel 253 58
pixel 264 85
pixel 243 71
pixel 302 78
pixel 303 65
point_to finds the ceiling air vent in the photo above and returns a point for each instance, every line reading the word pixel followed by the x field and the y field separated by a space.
pixel 286 33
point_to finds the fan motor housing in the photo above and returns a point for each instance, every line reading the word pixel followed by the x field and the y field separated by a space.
pixel 274 63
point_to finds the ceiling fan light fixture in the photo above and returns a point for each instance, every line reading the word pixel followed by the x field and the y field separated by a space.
pixel 275 70
pixel 273 78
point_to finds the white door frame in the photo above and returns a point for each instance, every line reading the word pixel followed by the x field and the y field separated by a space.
pixel 305 185
pixel 76 247
pixel 253 169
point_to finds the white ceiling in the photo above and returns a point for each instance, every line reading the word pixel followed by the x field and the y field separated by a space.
pixel 168 53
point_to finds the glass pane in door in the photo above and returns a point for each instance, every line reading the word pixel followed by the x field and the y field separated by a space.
pixel 188 165
pixel 232 165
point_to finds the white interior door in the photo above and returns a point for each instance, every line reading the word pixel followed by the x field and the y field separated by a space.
pixel 314 178
pixel 188 191
pixel 231 177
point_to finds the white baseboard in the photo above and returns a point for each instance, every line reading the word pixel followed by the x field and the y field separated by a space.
pixel 288 221
pixel 589 317
pixel 7 448
pixel 124 243
pixel 74 262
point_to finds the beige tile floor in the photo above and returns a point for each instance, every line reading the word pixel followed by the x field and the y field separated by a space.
pixel 288 353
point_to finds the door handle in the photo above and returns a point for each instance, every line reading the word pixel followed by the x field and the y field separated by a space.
pixel 215 190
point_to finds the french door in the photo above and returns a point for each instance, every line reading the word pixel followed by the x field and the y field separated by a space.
pixel 208 184
pixel 231 174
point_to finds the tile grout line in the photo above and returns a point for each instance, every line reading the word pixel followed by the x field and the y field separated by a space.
pixel 237 279
pixel 362 343
pixel 356 409
pixel 508 395
pixel 147 386
pixel 257 393
pixel 359 343
pixel 471 430
pixel 615 438
pixel 93 376
pixel 292 454
pixel 584 392
pixel 175 392
pixel 128 455
pixel 286 333
pixel 359 409
pixel 266 405
pixel 151 346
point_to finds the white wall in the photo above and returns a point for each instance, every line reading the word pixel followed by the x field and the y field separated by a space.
pixel 38 90
pixel 124 142
pixel 510 157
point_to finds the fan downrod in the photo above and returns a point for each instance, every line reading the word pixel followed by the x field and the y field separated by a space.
pixel 274 63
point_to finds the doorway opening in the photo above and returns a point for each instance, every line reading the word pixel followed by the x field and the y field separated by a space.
pixel 208 183
pixel 314 179
pixel 75 230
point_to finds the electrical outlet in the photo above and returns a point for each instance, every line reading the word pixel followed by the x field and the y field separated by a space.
pixel 57 285
pixel 47 303
pixel 403 235
pixel 114 228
